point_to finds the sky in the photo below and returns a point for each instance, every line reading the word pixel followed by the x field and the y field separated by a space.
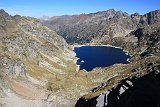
pixel 39 8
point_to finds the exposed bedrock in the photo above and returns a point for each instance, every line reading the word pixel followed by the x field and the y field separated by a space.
pixel 131 92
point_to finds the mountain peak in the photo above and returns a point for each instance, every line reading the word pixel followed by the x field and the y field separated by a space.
pixel 3 13
pixel 45 18
pixel 111 10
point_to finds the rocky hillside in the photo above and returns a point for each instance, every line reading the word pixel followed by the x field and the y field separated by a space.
pixel 34 62
pixel 99 26
pixel 140 89
pixel 137 84
pixel 141 42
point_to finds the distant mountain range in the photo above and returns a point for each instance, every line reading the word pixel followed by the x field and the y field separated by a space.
pixel 94 27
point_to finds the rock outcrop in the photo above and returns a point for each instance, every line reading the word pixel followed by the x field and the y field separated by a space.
pixel 135 91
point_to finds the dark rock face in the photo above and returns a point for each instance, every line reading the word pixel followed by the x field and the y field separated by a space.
pixel 131 92
pixel 86 27
pixel 148 40
pixel 144 93
pixel 150 18
pixel 82 102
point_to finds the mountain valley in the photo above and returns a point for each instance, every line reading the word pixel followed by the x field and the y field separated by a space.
pixel 38 67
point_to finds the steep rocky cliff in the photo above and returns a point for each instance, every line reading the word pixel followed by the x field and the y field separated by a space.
pixel 99 26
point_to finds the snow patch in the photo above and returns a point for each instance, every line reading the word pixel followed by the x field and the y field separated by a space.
pixel 82 61
pixel 130 83
pixel 102 99
pixel 122 89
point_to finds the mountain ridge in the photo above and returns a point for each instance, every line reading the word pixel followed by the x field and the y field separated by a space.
pixel 88 27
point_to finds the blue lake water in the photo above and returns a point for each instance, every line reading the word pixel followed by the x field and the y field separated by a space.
pixel 99 56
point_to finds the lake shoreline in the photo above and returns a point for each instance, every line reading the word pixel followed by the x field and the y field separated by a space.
pixel 77 46
pixel 125 51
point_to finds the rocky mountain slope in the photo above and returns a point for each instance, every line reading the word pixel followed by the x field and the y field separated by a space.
pixel 99 26
pixel 136 90
pixel 35 62
pixel 137 85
